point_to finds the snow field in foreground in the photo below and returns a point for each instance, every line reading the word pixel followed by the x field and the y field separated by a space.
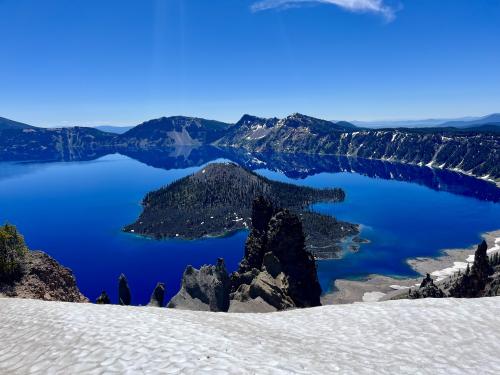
pixel 431 336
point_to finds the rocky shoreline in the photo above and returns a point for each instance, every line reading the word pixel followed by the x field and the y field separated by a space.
pixel 380 288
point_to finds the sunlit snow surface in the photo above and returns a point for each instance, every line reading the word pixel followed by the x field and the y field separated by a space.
pixel 429 336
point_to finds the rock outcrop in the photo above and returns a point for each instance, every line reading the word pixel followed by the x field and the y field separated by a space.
pixel 206 289
pixel 276 273
pixel 103 299
pixel 33 274
pixel 158 296
pixel 124 295
pixel 480 280
pixel 427 289
pixel 276 270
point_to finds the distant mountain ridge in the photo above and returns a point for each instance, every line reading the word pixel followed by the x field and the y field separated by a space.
pixel 474 151
pixel 463 122
pixel 486 120
pixel 9 124
pixel 175 131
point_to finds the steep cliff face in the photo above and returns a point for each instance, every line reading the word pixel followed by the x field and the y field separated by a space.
pixel 477 153
pixel 62 144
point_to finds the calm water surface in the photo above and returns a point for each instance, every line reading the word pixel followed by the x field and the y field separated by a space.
pixel 75 211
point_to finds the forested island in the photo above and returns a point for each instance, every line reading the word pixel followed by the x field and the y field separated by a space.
pixel 217 201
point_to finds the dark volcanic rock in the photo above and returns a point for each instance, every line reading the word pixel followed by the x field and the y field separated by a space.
pixel 33 274
pixel 255 247
pixel 285 240
pixel 206 289
pixel 158 296
pixel 427 290
pixel 277 272
pixel 44 278
pixel 124 295
pixel 103 299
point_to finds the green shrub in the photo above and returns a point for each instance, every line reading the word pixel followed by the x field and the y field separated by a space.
pixel 12 252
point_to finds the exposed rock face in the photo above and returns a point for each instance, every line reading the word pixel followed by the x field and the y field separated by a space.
pixel 262 212
pixel 206 289
pixel 124 295
pixel 33 274
pixel 44 278
pixel 472 284
pixel 427 290
pixel 103 299
pixel 158 296
pixel 277 273
pixel 276 270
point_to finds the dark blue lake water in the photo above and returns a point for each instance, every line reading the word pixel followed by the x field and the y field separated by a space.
pixel 75 211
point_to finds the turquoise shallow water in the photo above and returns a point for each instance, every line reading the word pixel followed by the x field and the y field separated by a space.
pixel 75 211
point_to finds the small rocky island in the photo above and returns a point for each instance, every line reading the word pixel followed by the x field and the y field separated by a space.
pixel 217 201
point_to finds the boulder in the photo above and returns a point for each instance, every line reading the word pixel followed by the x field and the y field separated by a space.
pixel 206 289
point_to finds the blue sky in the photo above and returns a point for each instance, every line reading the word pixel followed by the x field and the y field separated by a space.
pixel 92 62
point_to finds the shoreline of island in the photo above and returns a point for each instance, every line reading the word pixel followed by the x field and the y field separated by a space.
pixel 377 287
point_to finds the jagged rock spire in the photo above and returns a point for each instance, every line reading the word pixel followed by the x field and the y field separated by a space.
pixel 158 296
pixel 276 269
pixel 124 295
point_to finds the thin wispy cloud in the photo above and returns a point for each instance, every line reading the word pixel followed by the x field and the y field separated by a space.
pixel 360 6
